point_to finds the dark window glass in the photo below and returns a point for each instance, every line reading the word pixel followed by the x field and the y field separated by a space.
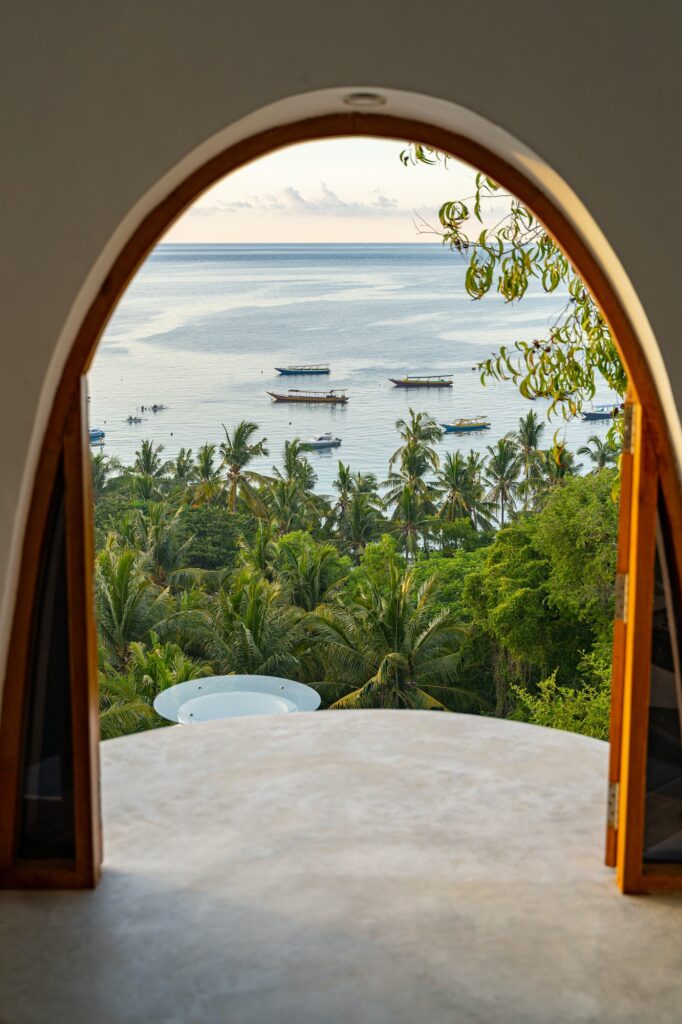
pixel 663 810
pixel 46 798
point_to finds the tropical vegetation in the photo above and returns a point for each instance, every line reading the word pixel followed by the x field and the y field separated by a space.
pixel 463 581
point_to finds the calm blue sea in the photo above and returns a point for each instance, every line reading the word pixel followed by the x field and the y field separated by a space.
pixel 202 327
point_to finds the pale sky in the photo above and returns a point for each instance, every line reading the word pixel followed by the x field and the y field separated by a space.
pixel 337 190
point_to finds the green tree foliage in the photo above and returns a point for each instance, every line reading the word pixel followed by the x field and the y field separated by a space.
pixel 408 598
pixel 544 595
pixel 126 700
pixel 391 649
pixel 586 710
pixel 238 450
pixel 214 537
pixel 567 363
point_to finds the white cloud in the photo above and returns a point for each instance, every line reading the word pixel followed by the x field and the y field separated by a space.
pixel 291 201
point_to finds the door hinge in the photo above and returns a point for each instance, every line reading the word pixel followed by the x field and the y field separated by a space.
pixel 622 593
pixel 612 808
pixel 628 426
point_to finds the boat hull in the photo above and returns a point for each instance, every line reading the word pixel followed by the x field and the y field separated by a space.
pixel 309 399
pixel 319 446
pixel 474 428
pixel 590 416
pixel 284 372
pixel 421 383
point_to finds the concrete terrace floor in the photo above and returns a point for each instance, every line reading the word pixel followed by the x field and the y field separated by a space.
pixel 370 867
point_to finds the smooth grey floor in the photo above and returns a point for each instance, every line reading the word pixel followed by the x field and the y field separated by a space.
pixel 348 867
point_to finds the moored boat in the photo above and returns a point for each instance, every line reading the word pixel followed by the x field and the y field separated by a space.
pixel 466 425
pixel 321 441
pixel 600 412
pixel 333 397
pixel 424 381
pixel 96 435
pixel 309 368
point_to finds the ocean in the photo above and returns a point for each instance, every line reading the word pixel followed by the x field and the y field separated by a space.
pixel 202 327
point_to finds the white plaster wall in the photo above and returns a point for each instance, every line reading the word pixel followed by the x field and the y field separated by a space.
pixel 104 105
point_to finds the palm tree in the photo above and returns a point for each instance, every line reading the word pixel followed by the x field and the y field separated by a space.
pixel 361 523
pixel 601 453
pixel 391 648
pixel 455 486
pixel 128 604
pixel 417 433
pixel 102 469
pixel 126 700
pixel 258 555
pixel 308 572
pixel 501 472
pixel 366 483
pixel 148 471
pixel 123 709
pixel 249 629
pixel 148 461
pixel 209 485
pixel 410 521
pixel 238 451
pixel 156 536
pixel 558 463
pixel 344 485
pixel 184 467
pixel 528 442
pixel 285 509
pixel 296 466
pixel 481 510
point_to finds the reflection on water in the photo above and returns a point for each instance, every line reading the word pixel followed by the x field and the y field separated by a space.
pixel 202 327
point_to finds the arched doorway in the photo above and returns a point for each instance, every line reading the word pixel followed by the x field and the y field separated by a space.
pixel 56 559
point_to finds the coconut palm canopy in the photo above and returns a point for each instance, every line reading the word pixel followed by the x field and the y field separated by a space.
pixel 391 647
pixel 392 595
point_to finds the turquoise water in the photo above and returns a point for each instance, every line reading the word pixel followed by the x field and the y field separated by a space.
pixel 202 327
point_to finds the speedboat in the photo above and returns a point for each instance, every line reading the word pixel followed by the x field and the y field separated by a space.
pixel 600 412
pixel 321 441
pixel 96 435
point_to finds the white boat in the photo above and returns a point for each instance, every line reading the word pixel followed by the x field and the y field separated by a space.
pixel 601 412
pixel 321 441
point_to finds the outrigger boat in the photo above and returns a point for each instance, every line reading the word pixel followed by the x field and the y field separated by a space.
pixel 333 397
pixel 96 435
pixel 601 412
pixel 321 441
pixel 426 381
pixel 310 368
pixel 464 426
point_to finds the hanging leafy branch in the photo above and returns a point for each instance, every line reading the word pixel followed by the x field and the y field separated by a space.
pixel 564 365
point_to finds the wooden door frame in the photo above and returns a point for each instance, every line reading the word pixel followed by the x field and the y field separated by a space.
pixel 66 437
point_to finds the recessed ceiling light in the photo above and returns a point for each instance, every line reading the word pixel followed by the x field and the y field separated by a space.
pixel 364 99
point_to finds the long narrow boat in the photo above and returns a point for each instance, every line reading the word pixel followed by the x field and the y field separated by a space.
pixel 334 397
pixel 464 425
pixel 426 381
pixel 601 412
pixel 309 369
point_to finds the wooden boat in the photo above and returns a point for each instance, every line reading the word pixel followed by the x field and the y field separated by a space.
pixel 334 397
pixel 310 368
pixel 320 442
pixel 464 425
pixel 426 381
pixel 96 435
pixel 601 412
